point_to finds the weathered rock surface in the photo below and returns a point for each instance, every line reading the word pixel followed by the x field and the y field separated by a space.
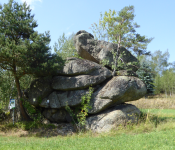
pixel 118 90
pixel 74 79
pixel 98 51
pixel 39 89
pixel 76 66
pixel 113 117
pixel 84 73
pixel 82 81
pixel 60 99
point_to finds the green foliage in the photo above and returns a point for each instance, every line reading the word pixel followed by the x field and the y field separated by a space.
pixel 33 112
pixel 7 88
pixel 146 75
pixel 159 61
pixel 82 110
pixel 2 115
pixel 159 71
pixel 120 29
pixel 81 117
pixel 65 47
pixel 144 135
pixel 23 51
pixel 165 83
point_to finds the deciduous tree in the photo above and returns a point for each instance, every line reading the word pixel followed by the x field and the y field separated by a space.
pixel 65 46
pixel 120 29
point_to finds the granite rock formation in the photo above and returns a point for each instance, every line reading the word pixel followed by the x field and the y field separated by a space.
pixel 98 51
pixel 52 94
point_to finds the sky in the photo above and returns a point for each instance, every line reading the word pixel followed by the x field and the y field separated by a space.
pixel 155 17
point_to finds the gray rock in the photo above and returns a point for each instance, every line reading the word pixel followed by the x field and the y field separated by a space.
pixel 98 51
pixel 82 81
pixel 124 89
pixel 39 89
pixel 118 90
pixel 113 117
pixel 81 41
pixel 59 99
pixel 76 66
pixel 56 115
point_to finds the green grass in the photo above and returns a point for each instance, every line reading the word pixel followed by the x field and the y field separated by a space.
pixel 144 135
pixel 165 112
pixel 162 140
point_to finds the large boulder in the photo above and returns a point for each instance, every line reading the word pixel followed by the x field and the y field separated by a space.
pixel 75 66
pixel 77 74
pixel 39 89
pixel 118 90
pixel 98 51
pixel 74 79
pixel 58 99
pixel 113 117
pixel 95 74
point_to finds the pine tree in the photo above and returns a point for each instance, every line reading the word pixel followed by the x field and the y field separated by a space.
pixel 22 49
pixel 146 75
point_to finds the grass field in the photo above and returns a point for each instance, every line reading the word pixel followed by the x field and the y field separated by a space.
pixel 160 140
pixel 154 131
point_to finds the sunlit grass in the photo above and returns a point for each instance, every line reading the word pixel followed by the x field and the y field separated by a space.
pixel 153 140
pixel 154 130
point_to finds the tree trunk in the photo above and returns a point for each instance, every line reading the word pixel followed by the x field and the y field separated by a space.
pixel 24 115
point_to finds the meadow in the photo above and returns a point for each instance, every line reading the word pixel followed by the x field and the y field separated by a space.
pixel 154 130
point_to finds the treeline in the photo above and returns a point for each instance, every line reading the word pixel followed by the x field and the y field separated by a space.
pixel 158 73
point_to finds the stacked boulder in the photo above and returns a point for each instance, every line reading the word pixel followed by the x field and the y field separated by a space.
pixel 75 78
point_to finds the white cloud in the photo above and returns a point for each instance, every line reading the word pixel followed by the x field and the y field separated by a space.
pixel 31 2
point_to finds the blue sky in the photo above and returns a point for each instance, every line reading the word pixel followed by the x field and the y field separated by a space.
pixel 155 17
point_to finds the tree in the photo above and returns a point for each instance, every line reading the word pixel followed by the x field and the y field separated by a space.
pixel 65 47
pixel 166 82
pixel 7 88
pixel 159 61
pixel 121 30
pixel 146 75
pixel 22 49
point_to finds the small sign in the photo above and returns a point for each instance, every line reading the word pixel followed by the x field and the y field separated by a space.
pixel 12 103
pixel 47 101
pixel 34 99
